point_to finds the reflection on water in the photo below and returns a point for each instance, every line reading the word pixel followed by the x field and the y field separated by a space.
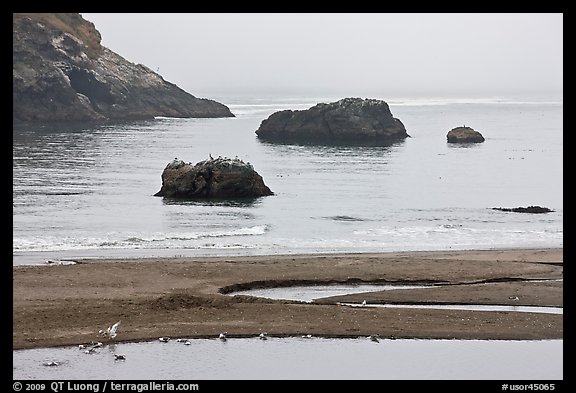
pixel 218 202
pixel 300 358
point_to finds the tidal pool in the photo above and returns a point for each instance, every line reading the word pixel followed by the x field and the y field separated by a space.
pixel 297 358
pixel 308 293
pixel 312 292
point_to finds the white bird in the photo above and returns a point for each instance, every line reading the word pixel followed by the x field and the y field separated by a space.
pixel 52 363
pixel 513 298
pixel 113 329
pixel 81 346
pixel 374 337
pixel 364 303
pixel 110 331
pixel 164 339
pixel 263 336
pixel 119 356
pixel 187 342
pixel 222 336
pixel 307 336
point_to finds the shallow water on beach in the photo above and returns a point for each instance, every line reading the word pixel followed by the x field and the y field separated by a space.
pixel 308 293
pixel 311 293
pixel 85 190
pixel 300 358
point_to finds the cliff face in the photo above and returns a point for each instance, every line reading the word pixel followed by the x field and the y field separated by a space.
pixel 61 72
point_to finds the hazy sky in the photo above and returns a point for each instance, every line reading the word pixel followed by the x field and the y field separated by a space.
pixel 348 53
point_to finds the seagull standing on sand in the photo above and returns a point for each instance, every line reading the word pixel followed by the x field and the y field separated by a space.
pixel 364 303
pixel 263 336
pixel 222 336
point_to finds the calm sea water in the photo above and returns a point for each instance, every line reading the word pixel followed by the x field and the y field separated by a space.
pixel 82 190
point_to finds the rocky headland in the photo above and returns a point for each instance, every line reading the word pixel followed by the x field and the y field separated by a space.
pixel 212 178
pixel 61 72
pixel 347 121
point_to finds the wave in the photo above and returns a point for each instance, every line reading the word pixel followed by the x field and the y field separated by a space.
pixel 156 240
pixel 344 218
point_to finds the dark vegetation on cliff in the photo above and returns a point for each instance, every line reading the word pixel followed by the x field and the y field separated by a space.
pixel 61 72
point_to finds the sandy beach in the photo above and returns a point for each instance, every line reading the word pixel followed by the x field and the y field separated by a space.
pixel 187 297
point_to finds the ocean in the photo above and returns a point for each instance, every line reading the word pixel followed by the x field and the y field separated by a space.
pixel 84 190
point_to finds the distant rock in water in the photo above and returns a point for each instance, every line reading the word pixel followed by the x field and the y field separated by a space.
pixel 464 135
pixel 347 121
pixel 212 178
pixel 529 209
pixel 61 72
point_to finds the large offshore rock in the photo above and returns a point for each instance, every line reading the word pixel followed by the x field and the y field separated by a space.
pixel 348 121
pixel 212 178
pixel 61 72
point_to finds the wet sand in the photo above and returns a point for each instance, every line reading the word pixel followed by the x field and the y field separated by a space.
pixel 185 297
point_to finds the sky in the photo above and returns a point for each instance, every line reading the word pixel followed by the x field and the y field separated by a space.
pixel 347 53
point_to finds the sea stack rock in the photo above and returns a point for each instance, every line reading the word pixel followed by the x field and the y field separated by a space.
pixel 212 178
pixel 464 135
pixel 347 121
pixel 60 72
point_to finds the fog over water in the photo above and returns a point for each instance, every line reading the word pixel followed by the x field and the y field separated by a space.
pixel 344 53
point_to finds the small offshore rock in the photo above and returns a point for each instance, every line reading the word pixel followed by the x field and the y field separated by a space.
pixel 529 209
pixel 464 135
